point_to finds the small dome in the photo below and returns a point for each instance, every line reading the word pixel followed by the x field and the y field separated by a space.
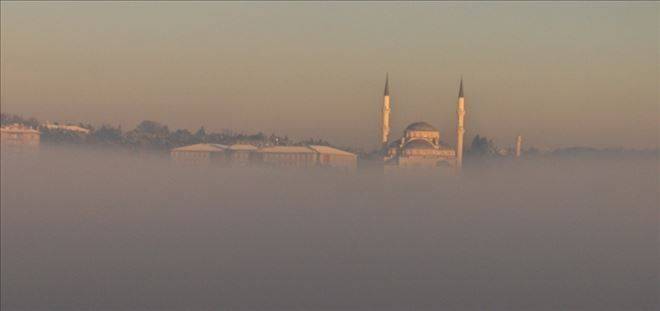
pixel 421 126
pixel 394 144
pixel 444 145
pixel 418 144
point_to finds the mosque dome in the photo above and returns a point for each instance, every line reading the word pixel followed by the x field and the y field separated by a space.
pixel 421 126
pixel 418 144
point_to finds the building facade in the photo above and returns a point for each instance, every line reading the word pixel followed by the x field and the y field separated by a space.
pixel 18 137
pixel 335 158
pixel 272 156
pixel 420 146
pixel 200 154
pixel 241 154
pixel 286 156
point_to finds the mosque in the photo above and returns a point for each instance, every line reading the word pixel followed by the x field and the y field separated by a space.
pixel 420 145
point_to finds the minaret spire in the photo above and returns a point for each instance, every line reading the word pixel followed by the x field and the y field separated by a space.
pixel 385 114
pixel 460 126
pixel 387 84
pixel 460 90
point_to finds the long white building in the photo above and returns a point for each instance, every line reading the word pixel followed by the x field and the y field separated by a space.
pixel 199 154
pixel 274 156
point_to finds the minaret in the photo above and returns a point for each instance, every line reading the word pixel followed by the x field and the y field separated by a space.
pixel 460 129
pixel 385 122
pixel 518 145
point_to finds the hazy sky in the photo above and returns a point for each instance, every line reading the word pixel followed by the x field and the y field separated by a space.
pixel 558 73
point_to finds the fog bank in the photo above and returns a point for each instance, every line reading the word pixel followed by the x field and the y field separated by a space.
pixel 98 230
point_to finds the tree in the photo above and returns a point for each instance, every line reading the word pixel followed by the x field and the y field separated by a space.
pixel 107 134
pixel 200 135
pixel 482 146
pixel 150 135
pixel 62 136
pixel 8 119
pixel 152 128
pixel 183 137
pixel 256 137
pixel 312 141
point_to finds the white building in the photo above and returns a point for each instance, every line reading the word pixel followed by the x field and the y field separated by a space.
pixel 335 158
pixel 18 136
pixel 276 156
pixel 200 154
pixel 241 154
pixel 286 156
pixel 71 128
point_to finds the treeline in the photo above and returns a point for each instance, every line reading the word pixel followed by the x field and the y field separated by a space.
pixel 482 147
pixel 150 135
pixel 8 119
pixel 606 152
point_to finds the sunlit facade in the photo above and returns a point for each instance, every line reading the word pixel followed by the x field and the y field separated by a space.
pixel 19 137
pixel 270 156
pixel 420 146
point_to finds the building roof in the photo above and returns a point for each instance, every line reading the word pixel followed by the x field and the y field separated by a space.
pixel 242 147
pixel 418 144
pixel 421 126
pixel 286 149
pixel 73 128
pixel 202 148
pixel 330 150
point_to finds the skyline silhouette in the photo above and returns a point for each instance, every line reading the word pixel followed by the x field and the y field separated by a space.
pixel 560 74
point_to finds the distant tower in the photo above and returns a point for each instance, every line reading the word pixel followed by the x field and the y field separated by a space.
pixel 385 122
pixel 518 145
pixel 460 129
